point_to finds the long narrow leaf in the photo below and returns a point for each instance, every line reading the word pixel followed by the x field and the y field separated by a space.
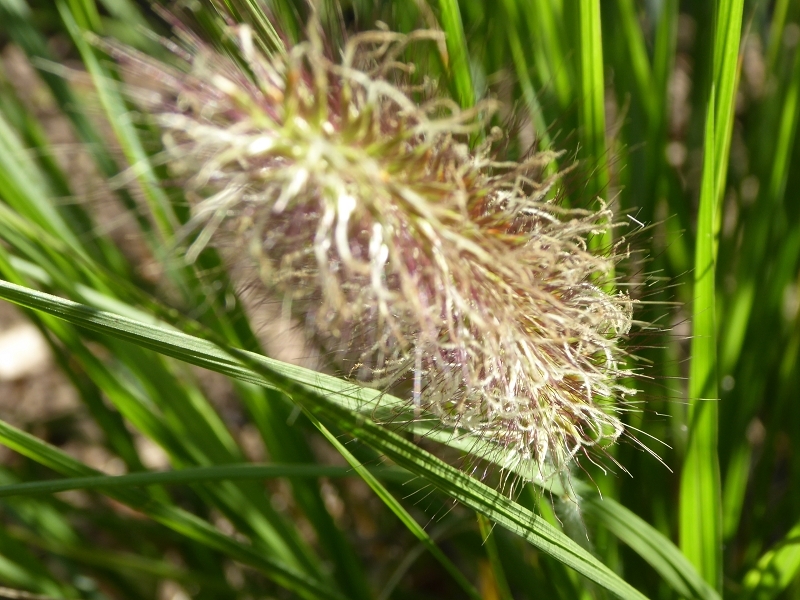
pixel 457 52
pixel 700 500
pixel 454 483
pixel 701 497
pixel 190 475
pixel 351 397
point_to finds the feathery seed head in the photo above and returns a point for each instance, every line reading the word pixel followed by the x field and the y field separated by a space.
pixel 406 253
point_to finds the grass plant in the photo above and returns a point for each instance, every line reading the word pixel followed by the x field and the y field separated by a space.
pixel 682 117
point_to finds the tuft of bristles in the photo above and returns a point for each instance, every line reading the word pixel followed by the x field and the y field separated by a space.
pixel 408 255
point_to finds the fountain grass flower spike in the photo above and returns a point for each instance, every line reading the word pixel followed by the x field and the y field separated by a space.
pixel 413 260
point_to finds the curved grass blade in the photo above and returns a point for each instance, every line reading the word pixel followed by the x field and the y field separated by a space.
pixel 652 546
pixel 667 560
pixel 341 411
pixel 701 497
pixel 351 397
pixel 457 52
pixel 171 428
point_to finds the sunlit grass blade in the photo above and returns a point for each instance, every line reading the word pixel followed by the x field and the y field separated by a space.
pixel 757 234
pixel 357 398
pixel 458 54
pixel 454 483
pixel 592 109
pixel 449 480
pixel 592 99
pixel 700 499
pixel 727 38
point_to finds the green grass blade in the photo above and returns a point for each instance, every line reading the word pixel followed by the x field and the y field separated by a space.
pixel 21 27
pixel 185 427
pixel 700 501
pixel 22 188
pixel 265 34
pixel 757 238
pixel 640 65
pixel 454 483
pixel 191 475
pixel 270 411
pixel 592 109
pixel 727 38
pixel 20 567
pixel 665 563
pixel 776 31
pixel 550 39
pixel 592 104
pixel 353 397
pixel 123 563
pixel 735 487
pixel 701 497
pixel 457 52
